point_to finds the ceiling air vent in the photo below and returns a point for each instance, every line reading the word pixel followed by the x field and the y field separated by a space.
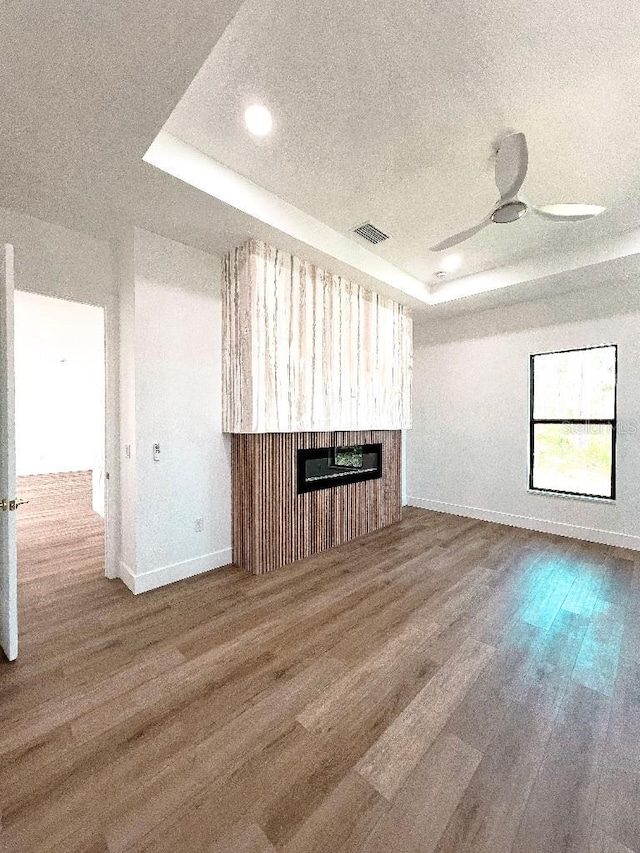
pixel 370 233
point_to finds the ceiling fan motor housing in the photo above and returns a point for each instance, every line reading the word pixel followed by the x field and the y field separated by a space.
pixel 509 212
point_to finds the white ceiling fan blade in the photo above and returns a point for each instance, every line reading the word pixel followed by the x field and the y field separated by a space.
pixel 461 237
pixel 511 165
pixel 568 212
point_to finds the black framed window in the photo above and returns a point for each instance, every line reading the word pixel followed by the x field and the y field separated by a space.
pixel 572 429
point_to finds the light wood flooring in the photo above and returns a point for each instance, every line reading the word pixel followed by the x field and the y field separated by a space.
pixel 442 685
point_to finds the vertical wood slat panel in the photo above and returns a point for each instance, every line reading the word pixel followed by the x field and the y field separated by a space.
pixel 273 525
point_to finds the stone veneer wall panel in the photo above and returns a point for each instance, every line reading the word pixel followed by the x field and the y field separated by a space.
pixel 305 350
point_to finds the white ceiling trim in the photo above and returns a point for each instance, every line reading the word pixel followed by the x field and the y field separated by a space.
pixel 186 163
pixel 607 249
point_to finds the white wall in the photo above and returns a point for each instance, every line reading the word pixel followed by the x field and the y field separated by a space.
pixel 163 298
pixel 124 268
pixel 178 370
pixel 59 364
pixel 58 262
pixel 468 450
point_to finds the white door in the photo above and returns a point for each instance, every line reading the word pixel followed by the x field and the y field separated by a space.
pixel 8 502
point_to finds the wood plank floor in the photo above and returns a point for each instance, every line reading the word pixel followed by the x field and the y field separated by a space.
pixel 442 685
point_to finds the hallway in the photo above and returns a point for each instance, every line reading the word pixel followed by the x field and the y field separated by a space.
pixel 60 553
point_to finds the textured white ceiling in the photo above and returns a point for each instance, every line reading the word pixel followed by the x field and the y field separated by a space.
pixel 390 112
pixel 383 111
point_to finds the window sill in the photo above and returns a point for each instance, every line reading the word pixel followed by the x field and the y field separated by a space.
pixel 565 495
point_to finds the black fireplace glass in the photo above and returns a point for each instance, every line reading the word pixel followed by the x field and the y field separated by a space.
pixel 329 467
pixel 348 457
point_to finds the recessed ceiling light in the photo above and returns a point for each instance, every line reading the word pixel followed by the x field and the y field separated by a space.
pixel 451 263
pixel 258 120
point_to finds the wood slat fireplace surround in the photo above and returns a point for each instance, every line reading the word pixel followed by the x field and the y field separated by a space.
pixel 274 525
pixel 306 354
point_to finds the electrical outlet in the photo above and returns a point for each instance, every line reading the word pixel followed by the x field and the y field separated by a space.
pixel 199 525
pixel 127 451
pixel 156 452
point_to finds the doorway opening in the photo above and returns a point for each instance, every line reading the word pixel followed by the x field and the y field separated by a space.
pixel 60 444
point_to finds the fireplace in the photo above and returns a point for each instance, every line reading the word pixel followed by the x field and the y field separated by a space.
pixel 275 523
pixel 330 467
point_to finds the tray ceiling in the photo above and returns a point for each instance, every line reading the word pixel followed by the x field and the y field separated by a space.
pixel 391 113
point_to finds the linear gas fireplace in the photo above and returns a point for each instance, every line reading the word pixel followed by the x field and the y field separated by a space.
pixel 328 467
pixel 298 493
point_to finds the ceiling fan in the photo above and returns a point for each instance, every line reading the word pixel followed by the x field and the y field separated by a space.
pixel 511 169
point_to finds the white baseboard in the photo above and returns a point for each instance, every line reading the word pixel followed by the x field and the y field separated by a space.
pixel 127 576
pixel 164 575
pixel 574 531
